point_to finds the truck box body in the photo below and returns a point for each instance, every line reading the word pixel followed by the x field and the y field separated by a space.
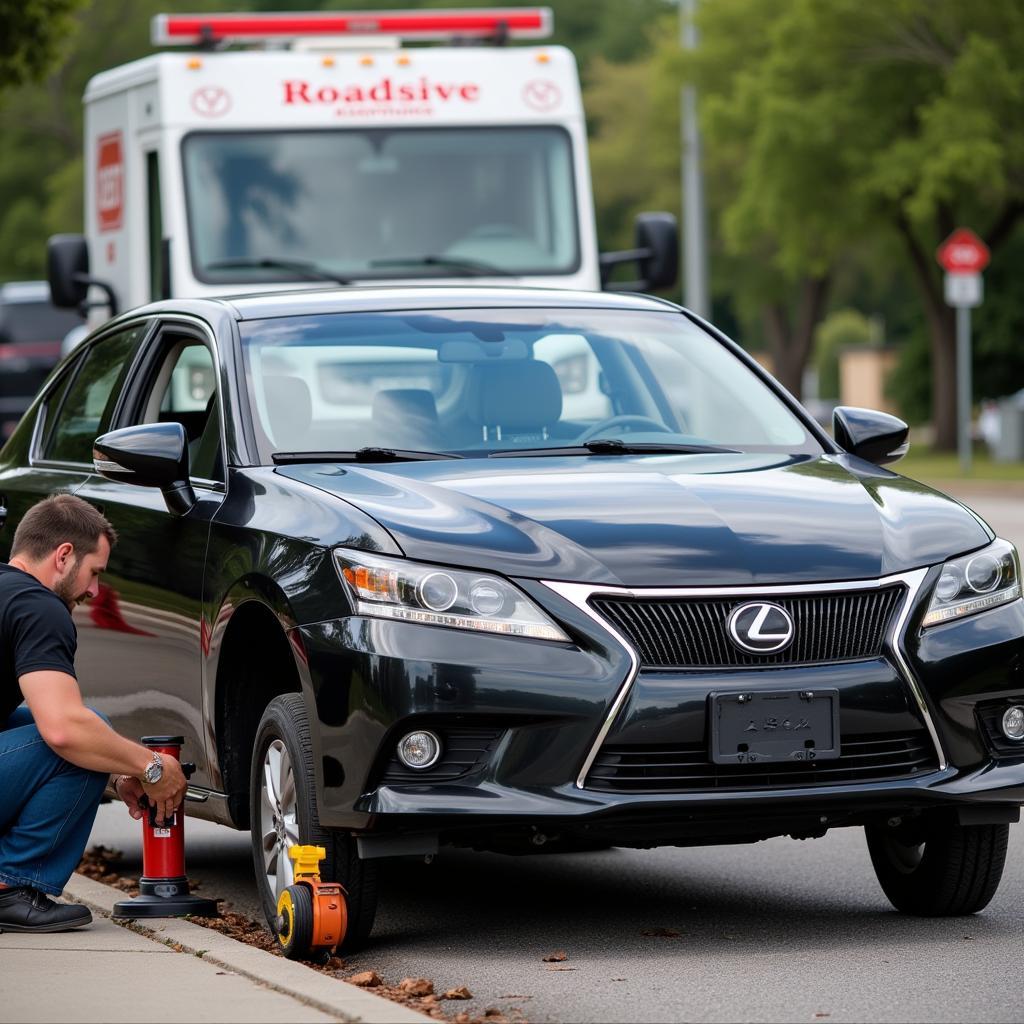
pixel 373 165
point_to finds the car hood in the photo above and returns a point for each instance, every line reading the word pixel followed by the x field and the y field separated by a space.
pixel 662 520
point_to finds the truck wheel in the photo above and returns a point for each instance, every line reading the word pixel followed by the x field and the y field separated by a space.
pixel 284 813
pixel 944 871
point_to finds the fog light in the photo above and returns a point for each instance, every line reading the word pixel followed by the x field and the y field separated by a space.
pixel 422 749
pixel 1013 723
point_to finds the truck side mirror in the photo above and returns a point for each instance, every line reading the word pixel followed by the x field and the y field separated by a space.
pixel 874 436
pixel 149 455
pixel 67 268
pixel 657 232
pixel 656 255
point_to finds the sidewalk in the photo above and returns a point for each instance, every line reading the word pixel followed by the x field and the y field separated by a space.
pixel 176 971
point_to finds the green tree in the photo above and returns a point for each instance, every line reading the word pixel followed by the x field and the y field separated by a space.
pixel 34 32
pixel 842 328
pixel 854 119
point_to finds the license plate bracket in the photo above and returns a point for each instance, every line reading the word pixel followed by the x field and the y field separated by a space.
pixel 758 727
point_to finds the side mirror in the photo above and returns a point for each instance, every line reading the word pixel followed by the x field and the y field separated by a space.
pixel 658 234
pixel 656 255
pixel 67 269
pixel 149 455
pixel 874 436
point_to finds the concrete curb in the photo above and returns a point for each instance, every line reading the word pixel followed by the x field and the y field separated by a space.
pixel 347 1002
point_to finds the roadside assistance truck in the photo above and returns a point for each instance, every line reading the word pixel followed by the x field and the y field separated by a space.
pixel 283 149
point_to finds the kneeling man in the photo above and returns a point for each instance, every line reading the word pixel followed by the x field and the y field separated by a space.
pixel 57 755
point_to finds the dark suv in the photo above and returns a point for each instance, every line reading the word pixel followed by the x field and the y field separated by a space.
pixel 522 569
pixel 31 332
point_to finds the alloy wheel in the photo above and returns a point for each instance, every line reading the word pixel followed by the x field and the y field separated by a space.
pixel 279 826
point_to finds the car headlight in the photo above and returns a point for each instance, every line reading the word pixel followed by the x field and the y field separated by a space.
pixel 973 583
pixel 392 588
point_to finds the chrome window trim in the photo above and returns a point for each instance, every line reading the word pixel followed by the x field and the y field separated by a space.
pixel 580 594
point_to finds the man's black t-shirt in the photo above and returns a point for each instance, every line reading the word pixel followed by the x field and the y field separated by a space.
pixel 36 633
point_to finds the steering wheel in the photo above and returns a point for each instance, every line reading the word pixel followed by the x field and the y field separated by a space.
pixel 621 421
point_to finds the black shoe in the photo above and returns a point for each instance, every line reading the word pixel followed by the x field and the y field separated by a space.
pixel 29 910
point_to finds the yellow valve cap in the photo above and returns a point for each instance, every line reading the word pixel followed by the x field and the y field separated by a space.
pixel 307 859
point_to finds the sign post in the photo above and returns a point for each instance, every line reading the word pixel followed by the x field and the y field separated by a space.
pixel 963 256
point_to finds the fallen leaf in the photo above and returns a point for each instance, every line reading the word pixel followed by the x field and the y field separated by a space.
pixel 458 993
pixel 365 979
pixel 416 987
pixel 555 958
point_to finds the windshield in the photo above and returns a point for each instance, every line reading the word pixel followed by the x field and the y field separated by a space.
pixel 379 203
pixel 479 382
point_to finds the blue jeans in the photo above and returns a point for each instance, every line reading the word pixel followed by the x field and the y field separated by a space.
pixel 47 807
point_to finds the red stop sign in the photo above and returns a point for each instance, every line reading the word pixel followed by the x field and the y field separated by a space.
pixel 963 253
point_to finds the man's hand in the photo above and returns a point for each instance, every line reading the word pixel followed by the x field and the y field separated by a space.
pixel 130 790
pixel 167 794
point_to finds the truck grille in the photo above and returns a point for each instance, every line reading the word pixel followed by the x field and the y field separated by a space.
pixel 691 632
pixel 685 768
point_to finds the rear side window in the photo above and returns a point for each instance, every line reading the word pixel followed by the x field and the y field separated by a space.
pixel 89 399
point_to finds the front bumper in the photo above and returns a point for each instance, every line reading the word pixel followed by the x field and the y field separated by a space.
pixel 551 709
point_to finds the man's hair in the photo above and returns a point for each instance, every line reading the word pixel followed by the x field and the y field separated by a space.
pixel 61 519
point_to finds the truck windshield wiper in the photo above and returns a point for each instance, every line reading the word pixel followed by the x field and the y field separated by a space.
pixel 367 454
pixel 310 271
pixel 612 446
pixel 475 268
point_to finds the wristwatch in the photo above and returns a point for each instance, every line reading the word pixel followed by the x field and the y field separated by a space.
pixel 154 771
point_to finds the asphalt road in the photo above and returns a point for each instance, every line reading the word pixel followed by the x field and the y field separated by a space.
pixel 776 931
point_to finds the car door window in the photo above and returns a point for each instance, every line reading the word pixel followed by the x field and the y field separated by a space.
pixel 85 411
pixel 184 391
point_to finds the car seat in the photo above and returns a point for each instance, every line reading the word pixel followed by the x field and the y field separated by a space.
pixel 517 402
pixel 405 418
pixel 289 408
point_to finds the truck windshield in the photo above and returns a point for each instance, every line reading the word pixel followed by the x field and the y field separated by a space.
pixel 381 203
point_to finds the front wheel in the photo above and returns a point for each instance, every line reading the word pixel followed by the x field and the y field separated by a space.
pixel 942 870
pixel 284 813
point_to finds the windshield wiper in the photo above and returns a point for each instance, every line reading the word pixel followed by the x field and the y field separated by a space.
pixel 475 268
pixel 367 454
pixel 613 446
pixel 310 271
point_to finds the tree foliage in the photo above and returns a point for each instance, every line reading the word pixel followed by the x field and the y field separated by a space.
pixel 34 32
pixel 857 120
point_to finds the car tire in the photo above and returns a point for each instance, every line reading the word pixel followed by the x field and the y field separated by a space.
pixel 944 871
pixel 283 740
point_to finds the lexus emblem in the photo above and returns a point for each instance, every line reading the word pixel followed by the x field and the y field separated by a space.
pixel 760 627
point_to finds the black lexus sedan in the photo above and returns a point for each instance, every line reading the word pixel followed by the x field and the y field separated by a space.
pixel 527 570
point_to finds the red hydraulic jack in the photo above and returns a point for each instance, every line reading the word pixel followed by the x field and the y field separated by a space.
pixel 163 887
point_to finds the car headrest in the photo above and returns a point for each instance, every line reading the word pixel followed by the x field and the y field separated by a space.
pixel 289 411
pixel 405 418
pixel 515 395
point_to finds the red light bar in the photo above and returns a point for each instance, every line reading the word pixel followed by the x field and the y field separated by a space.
pixel 470 23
